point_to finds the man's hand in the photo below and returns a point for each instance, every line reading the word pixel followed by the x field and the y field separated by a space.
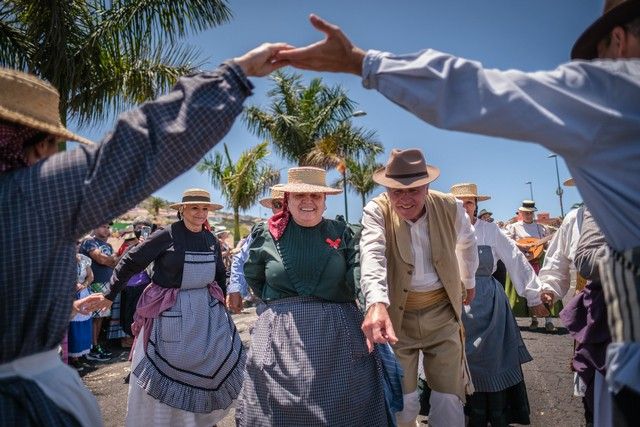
pixel 335 53
pixel 539 310
pixel 547 297
pixel 91 303
pixel 471 294
pixel 377 326
pixel 262 60
pixel 234 302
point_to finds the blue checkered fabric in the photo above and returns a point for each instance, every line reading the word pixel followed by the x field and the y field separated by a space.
pixel 45 208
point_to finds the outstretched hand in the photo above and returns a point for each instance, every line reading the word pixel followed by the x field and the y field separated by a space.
pixel 377 326
pixel 335 53
pixel 262 60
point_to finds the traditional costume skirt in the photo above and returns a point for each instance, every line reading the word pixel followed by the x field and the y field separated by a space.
pixel 191 371
pixel 114 330
pixel 308 365
pixel 495 349
pixel 519 304
pixel 80 331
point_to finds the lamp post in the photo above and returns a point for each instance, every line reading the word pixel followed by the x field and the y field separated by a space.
pixel 342 167
pixel 559 190
pixel 530 184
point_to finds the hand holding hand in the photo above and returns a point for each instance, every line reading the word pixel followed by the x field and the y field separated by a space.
pixel 547 297
pixel 234 302
pixel 471 294
pixel 335 53
pixel 262 60
pixel 91 303
pixel 377 326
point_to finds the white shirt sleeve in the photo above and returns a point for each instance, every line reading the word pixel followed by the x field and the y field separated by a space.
pixel 373 262
pixel 556 270
pixel 522 275
pixel 466 248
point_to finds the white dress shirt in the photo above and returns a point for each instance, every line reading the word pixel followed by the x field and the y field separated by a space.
pixel 521 229
pixel 373 262
pixel 586 111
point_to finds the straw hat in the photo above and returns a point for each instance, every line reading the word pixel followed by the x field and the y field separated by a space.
pixel 276 194
pixel 528 206
pixel 467 189
pixel 196 196
pixel 616 12
pixel 569 183
pixel 406 169
pixel 29 101
pixel 307 179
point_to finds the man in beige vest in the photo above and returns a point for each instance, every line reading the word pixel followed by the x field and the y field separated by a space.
pixel 418 260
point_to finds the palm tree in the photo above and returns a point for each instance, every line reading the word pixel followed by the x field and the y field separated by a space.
pixel 103 56
pixel 241 182
pixel 155 204
pixel 299 115
pixel 309 125
pixel 360 176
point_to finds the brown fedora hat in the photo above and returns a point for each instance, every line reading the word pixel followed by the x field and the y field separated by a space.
pixel 616 12
pixel 406 169
pixel 276 194
pixel 29 101
pixel 196 196
pixel 467 189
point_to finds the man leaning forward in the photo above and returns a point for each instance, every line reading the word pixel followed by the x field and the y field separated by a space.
pixel 418 261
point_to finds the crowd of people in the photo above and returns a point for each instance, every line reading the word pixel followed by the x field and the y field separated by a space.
pixel 350 316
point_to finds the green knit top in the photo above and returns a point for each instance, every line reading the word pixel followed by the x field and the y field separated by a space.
pixel 321 261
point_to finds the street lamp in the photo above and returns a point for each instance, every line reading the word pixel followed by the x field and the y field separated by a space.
pixel 342 167
pixel 559 190
pixel 530 184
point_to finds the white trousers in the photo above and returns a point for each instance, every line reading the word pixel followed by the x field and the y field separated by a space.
pixel 447 410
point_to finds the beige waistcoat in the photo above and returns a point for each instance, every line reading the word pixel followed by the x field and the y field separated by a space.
pixel 442 234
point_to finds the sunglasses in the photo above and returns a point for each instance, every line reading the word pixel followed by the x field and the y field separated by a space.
pixel 276 204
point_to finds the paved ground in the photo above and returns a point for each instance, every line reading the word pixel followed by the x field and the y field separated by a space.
pixel 549 382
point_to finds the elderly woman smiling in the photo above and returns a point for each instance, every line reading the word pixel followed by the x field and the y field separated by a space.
pixel 308 363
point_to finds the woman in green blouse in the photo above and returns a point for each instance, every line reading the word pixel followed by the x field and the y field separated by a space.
pixel 308 363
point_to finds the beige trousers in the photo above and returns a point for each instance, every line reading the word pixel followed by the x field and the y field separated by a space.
pixel 436 332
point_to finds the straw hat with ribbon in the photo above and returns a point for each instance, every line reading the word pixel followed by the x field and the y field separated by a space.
pixel 276 194
pixel 528 206
pixel 29 101
pixel 467 189
pixel 406 169
pixel 307 179
pixel 196 196
pixel 615 13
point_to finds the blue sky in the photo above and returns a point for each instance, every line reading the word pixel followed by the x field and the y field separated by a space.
pixel 521 34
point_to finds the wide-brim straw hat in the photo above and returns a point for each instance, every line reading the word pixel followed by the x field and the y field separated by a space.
pixel 467 189
pixel 276 194
pixel 528 206
pixel 196 196
pixel 615 12
pixel 569 183
pixel 26 100
pixel 307 179
pixel 406 169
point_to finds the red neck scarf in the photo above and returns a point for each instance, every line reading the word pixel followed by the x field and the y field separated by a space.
pixel 278 222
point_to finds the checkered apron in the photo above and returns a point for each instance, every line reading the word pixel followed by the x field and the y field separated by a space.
pixel 308 365
pixel 194 359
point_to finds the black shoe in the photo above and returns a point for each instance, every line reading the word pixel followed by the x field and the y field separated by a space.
pixel 103 352
pixel 96 356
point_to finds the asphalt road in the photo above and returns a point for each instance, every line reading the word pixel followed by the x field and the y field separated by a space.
pixel 549 381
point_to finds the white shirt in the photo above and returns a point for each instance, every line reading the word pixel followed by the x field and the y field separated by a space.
pixel 558 261
pixel 373 262
pixel 521 229
pixel 586 111
pixel 523 277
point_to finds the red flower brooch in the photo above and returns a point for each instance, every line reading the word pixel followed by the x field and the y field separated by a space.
pixel 333 243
